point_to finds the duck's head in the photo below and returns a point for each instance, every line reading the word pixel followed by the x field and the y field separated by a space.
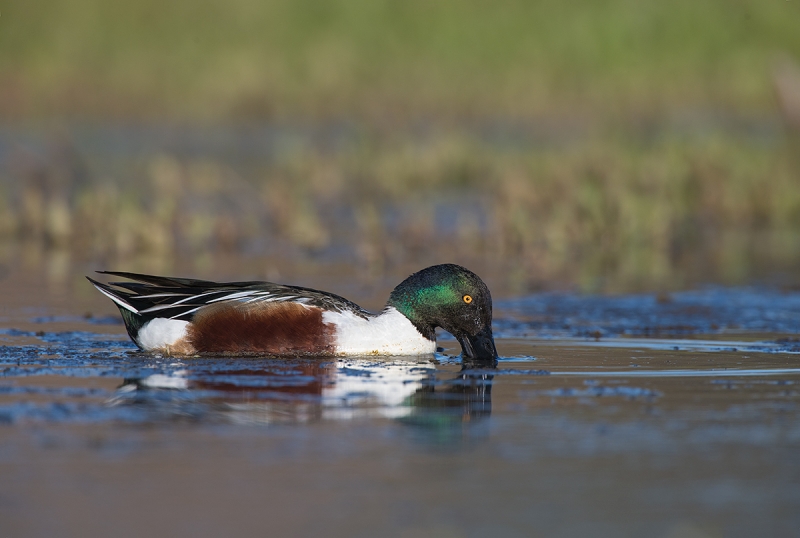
pixel 453 298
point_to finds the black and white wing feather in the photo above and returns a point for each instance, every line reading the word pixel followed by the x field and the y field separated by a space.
pixel 179 298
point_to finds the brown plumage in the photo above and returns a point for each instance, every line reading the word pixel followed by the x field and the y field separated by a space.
pixel 280 328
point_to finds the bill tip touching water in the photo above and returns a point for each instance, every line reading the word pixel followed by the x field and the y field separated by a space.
pixel 182 316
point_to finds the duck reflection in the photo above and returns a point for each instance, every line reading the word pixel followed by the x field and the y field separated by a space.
pixel 300 391
pixel 464 398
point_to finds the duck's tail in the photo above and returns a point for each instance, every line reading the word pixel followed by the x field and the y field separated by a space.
pixel 134 321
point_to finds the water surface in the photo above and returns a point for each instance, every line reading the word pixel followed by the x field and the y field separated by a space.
pixel 606 416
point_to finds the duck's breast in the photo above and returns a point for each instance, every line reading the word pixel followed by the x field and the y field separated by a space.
pixel 389 333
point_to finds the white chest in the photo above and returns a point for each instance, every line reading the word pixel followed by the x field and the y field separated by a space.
pixel 390 333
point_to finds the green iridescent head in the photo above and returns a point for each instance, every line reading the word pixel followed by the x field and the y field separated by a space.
pixel 453 298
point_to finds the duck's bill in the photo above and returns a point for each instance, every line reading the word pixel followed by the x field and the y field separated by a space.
pixel 479 347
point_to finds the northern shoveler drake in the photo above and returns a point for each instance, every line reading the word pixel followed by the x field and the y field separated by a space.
pixel 181 316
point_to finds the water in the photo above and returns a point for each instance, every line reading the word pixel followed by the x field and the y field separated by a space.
pixel 673 416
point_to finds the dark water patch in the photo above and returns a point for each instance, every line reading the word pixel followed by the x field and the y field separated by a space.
pixel 604 391
pixel 730 372
pixel 748 382
pixel 75 339
pixel 71 392
pixel 519 358
pixel 677 344
pixel 502 371
pixel 16 332
pixel 67 412
pixel 708 311
pixel 88 318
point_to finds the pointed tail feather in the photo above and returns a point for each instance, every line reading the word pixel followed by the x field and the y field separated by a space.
pixel 119 297
pixel 133 321
pixel 163 281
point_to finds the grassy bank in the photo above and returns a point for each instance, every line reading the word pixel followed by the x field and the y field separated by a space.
pixel 611 213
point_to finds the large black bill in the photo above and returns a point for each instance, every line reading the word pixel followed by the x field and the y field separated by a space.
pixel 479 347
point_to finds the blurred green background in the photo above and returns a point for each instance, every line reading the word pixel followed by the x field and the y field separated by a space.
pixel 604 145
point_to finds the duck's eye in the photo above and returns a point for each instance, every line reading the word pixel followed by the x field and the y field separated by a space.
pixel 468 299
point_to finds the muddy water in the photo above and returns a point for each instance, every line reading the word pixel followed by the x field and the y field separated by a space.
pixel 672 416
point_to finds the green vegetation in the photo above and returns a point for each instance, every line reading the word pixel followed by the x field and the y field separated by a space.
pixel 631 217
pixel 657 146
pixel 386 60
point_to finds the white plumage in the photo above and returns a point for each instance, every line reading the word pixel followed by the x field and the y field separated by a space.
pixel 390 333
pixel 160 333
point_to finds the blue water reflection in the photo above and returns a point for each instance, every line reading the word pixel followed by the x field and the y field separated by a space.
pixel 281 391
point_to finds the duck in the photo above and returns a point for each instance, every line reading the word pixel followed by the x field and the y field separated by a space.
pixel 184 316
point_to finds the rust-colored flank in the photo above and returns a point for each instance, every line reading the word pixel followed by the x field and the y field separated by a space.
pixel 274 328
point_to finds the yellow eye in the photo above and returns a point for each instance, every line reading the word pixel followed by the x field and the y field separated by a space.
pixel 468 299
